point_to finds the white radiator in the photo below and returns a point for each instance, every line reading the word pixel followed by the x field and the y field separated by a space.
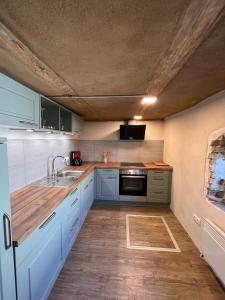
pixel 213 248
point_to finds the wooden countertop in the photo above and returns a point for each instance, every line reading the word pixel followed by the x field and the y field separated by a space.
pixel 32 204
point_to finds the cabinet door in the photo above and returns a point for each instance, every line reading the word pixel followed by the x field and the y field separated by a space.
pixel 7 275
pixel 84 201
pixel 19 105
pixel 71 223
pixel 77 123
pixel 71 228
pixel 49 114
pixel 65 120
pixel 107 187
pixel 87 196
pixel 37 274
pixel 90 191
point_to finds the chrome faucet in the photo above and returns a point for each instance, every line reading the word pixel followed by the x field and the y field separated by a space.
pixel 48 168
pixel 66 160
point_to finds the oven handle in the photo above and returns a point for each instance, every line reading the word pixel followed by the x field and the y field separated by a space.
pixel 132 176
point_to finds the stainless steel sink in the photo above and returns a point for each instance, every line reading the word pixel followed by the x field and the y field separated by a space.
pixel 70 173
pixel 55 182
pixel 63 179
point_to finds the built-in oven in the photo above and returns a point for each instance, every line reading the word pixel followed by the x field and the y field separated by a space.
pixel 133 182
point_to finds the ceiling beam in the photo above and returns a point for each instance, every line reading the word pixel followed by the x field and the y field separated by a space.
pixel 20 51
pixel 98 96
pixel 198 21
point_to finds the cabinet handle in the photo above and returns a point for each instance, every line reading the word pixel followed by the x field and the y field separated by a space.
pixel 28 123
pixel 157 192
pixel 132 176
pixel 73 192
pixel 74 202
pixel 46 222
pixel 7 231
pixel 159 179
pixel 111 177
pixel 74 224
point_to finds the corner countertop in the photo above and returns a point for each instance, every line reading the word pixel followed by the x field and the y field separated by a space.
pixel 32 204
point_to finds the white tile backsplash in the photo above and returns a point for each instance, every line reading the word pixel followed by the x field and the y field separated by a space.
pixel 27 159
pixel 152 150
pixel 35 170
pixel 17 177
pixel 15 152
pixel 130 151
pixel 87 150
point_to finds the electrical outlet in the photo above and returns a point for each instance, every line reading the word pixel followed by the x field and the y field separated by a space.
pixel 197 220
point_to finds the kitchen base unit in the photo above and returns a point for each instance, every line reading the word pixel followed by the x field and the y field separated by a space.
pixel 159 186
pixel 41 256
pixel 7 274
pixel 107 184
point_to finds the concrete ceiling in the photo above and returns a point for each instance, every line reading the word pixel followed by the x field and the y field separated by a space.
pixel 111 48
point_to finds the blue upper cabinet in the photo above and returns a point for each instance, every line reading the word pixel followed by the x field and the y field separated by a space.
pixel 65 120
pixel 19 105
pixel 77 123
pixel 49 114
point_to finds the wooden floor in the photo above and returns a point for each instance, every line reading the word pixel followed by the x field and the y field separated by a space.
pixel 101 267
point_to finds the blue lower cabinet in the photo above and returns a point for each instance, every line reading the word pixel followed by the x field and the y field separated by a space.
pixel 7 280
pixel 37 274
pixel 41 256
pixel 87 196
pixel 107 184
pixel 71 223
pixel 91 188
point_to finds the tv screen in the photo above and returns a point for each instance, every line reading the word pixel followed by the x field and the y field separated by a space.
pixel 132 132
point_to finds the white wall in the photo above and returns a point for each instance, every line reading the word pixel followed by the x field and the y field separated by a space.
pixel 186 136
pixel 110 130
pixel 28 152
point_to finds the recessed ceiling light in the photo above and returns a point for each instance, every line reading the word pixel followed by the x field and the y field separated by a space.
pixel 137 117
pixel 30 130
pixel 149 100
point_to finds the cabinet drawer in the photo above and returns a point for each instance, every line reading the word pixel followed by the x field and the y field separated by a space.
pixel 74 222
pixel 114 172
pixel 153 174
pixel 158 182
pixel 33 240
pixel 72 199
pixel 159 197
pixel 71 228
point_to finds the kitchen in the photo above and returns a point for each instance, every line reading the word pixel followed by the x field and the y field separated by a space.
pixel 112 142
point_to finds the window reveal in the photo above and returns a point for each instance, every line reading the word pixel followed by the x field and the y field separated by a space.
pixel 215 190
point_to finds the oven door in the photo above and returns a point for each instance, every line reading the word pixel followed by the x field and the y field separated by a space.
pixel 135 185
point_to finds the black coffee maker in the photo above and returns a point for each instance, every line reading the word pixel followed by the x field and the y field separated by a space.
pixel 75 159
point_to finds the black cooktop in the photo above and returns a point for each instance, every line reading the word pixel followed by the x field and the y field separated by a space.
pixel 134 164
